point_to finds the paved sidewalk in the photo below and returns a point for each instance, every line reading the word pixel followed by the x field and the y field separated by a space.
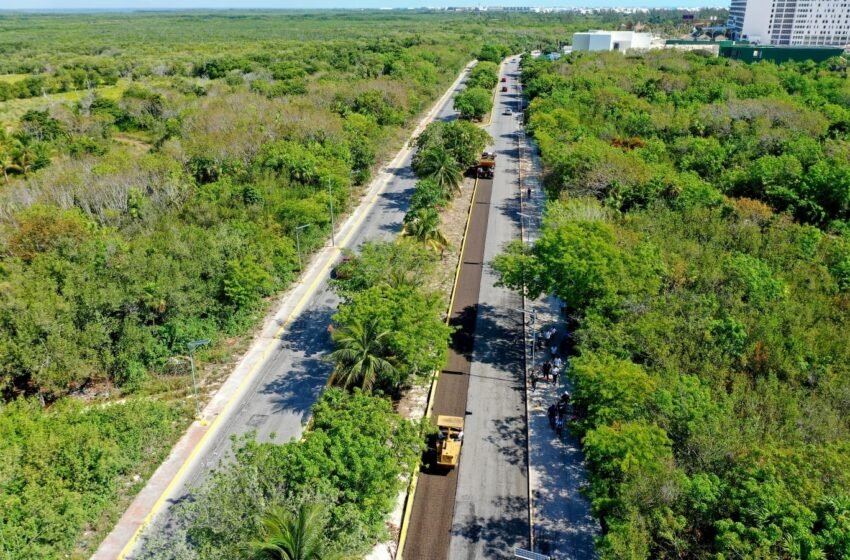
pixel 563 524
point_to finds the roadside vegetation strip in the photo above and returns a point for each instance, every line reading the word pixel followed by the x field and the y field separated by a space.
pixel 389 271
pixel 211 429
pixel 436 376
pixel 496 91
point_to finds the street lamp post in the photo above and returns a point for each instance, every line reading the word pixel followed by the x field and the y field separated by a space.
pixel 192 345
pixel 298 245
pixel 331 201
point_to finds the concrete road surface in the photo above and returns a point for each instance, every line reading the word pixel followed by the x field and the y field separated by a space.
pixel 491 511
pixel 286 380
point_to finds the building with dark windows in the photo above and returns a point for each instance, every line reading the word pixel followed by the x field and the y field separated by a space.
pixel 791 22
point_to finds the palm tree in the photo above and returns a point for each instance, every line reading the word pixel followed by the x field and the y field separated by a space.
pixel 7 160
pixel 25 156
pixel 424 226
pixel 400 277
pixel 439 164
pixel 359 355
pixel 288 536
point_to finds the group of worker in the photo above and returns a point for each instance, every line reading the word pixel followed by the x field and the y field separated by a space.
pixel 551 371
pixel 557 413
pixel 552 368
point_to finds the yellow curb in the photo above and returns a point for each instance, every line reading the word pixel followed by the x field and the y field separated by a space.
pixel 411 493
pixel 249 377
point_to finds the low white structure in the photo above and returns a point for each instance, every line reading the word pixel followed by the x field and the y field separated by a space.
pixel 598 40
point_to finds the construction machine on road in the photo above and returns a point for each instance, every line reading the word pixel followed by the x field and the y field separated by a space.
pixel 449 440
pixel 486 165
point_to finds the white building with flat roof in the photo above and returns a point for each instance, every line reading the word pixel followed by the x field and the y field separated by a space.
pixel 791 22
pixel 598 40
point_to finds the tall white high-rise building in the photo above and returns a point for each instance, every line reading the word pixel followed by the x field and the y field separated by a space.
pixel 791 22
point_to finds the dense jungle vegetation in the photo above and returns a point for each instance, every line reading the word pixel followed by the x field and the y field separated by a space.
pixel 698 234
pixel 154 167
pixel 154 203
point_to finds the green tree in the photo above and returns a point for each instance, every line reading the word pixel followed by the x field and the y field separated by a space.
pixel 40 126
pixel 429 194
pixel 438 164
pixel 245 282
pixel 473 103
pixel 464 140
pixel 610 390
pixel 7 159
pixel 484 75
pixel 493 53
pixel 627 449
pixel 417 336
pixel 352 462
pixel 29 155
pixel 423 225
pixel 377 263
pixel 360 355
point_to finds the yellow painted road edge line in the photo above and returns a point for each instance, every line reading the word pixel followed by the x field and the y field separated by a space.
pixel 411 492
pixel 249 377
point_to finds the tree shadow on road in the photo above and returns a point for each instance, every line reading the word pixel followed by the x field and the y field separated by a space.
pixel 304 373
pixel 498 340
pixel 496 536
pixel 403 172
pixel 508 436
pixel 398 200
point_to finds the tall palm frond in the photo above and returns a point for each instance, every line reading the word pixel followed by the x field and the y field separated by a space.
pixel 359 355
pixel 424 226
pixel 440 165
pixel 288 536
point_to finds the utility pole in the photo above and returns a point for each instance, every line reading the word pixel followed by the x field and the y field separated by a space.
pixel 331 201
pixel 298 245
pixel 192 345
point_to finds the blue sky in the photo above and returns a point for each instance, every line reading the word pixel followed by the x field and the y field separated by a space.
pixel 236 4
